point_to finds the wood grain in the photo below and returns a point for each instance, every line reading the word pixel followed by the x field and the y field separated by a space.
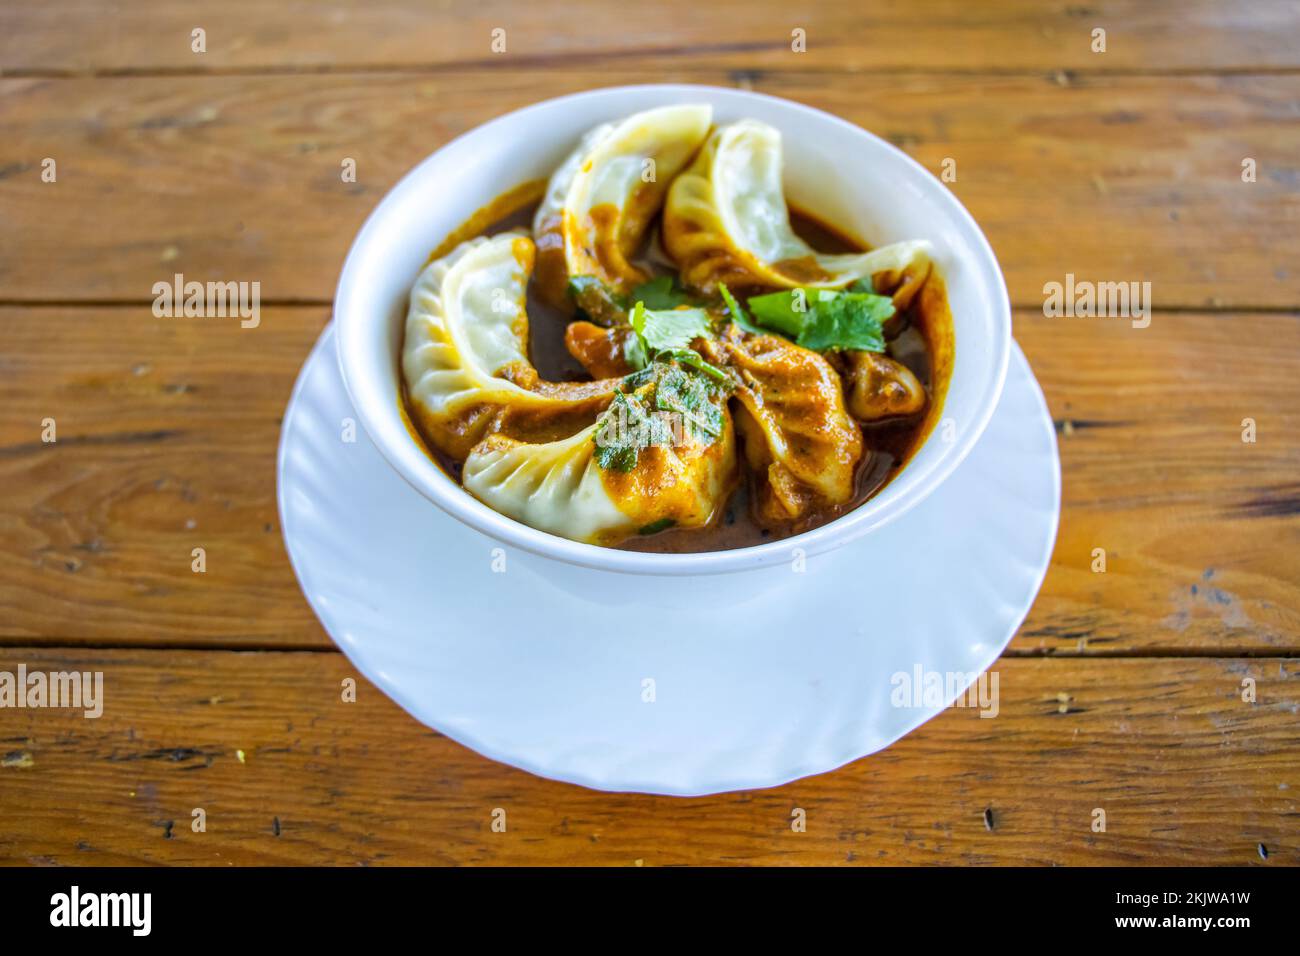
pixel 1123 689
pixel 238 177
pixel 167 433
pixel 324 781
pixel 1132 179
pixel 167 438
pixel 883 36
pixel 1201 530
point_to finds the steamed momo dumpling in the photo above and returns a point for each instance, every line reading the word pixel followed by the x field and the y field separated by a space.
pixel 600 200
pixel 553 487
pixel 726 221
pixel 465 356
pixel 561 487
pixel 800 442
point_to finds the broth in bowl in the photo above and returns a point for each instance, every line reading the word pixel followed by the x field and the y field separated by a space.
pixel 652 351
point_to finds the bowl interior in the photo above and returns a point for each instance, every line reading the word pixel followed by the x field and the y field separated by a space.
pixel 832 169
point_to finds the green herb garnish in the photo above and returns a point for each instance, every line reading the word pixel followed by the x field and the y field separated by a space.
pixel 691 397
pixel 624 429
pixel 823 319
pixel 597 301
pixel 656 406
pixel 785 312
pixel 661 292
pixel 848 321
pixel 737 311
pixel 671 380
pixel 654 527
pixel 663 330
pixel 669 328
pixel 696 361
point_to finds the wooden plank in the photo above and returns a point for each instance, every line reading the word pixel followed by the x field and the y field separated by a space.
pixel 168 428
pixel 884 36
pixel 1184 770
pixel 1120 180
pixel 1201 530
pixel 242 175
pixel 167 433
pixel 1112 179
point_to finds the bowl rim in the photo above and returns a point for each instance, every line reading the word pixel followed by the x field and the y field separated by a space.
pixel 460 504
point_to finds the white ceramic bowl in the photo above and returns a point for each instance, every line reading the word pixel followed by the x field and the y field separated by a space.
pixel 833 169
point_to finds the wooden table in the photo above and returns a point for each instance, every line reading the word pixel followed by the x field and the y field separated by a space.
pixel 1123 690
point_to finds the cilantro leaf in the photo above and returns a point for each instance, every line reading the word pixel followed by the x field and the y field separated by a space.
pixel 737 311
pixel 660 330
pixel 654 406
pixel 690 397
pixel 850 321
pixel 624 429
pixel 634 351
pixel 596 300
pixel 786 312
pixel 669 328
pixel 615 449
pixel 823 319
pixel 661 292
pixel 695 361
pixel 640 378
pixel 865 284
pixel 661 337
pixel 617 457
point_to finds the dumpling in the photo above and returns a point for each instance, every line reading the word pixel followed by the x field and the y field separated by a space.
pixel 800 442
pixel 726 220
pixel 465 356
pixel 880 387
pixel 599 201
pixel 553 487
pixel 561 487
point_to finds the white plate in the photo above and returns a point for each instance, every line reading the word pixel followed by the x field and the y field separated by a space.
pixel 757 678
